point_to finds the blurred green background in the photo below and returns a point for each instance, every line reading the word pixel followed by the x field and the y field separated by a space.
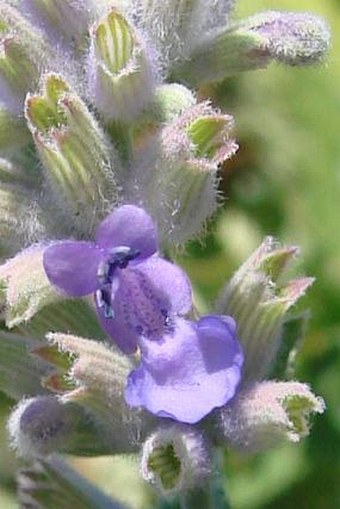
pixel 285 181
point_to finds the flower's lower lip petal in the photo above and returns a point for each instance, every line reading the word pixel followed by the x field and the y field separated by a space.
pixel 128 226
pixel 72 266
pixel 188 374
pixel 122 336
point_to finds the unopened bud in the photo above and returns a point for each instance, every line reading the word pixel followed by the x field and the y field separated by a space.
pixel 25 287
pixel 43 425
pixel 294 38
pixel 181 167
pixel 100 373
pixel 258 298
pixel 268 413
pixel 79 163
pixel 62 20
pixel 120 76
pixel 23 53
pixel 175 458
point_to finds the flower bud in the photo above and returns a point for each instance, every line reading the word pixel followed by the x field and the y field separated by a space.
pixel 176 26
pixel 79 163
pixel 22 55
pixel 180 166
pixel 259 299
pixel 289 37
pixel 25 287
pixel 100 373
pixel 175 458
pixel 120 75
pixel 268 413
pixel 45 424
pixel 62 20
pixel 169 102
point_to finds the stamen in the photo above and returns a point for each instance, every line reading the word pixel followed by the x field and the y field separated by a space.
pixel 103 301
pixel 119 257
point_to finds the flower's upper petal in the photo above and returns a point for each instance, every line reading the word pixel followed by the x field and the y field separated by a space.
pixel 188 373
pixel 128 226
pixel 72 266
pixel 169 282
pixel 124 337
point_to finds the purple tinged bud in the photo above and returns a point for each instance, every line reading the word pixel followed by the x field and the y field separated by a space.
pixel 175 458
pixel 259 296
pixel 63 21
pixel 287 37
pixel 42 425
pixel 294 38
pixel 268 413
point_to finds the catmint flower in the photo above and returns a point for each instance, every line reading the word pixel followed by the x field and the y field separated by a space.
pixel 140 299
pixel 136 291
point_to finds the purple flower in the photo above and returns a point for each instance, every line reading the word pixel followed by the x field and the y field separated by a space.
pixel 137 293
pixel 187 368
pixel 193 369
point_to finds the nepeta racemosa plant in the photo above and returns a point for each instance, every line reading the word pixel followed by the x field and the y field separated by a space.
pixel 109 162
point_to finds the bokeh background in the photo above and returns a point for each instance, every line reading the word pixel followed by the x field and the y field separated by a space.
pixel 285 181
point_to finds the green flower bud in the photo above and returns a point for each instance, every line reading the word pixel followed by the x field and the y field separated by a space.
pixel 175 458
pixel 100 374
pixel 23 52
pixel 268 413
pixel 258 298
pixel 120 76
pixel 180 166
pixel 25 288
pixel 79 162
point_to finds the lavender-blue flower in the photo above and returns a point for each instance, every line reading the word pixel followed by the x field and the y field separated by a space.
pixel 141 300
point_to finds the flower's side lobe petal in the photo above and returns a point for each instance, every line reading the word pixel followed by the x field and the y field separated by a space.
pixel 128 226
pixel 118 330
pixel 189 373
pixel 169 281
pixel 72 266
